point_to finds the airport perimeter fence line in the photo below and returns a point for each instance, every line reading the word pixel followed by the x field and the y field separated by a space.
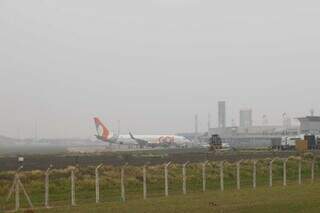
pixel 202 179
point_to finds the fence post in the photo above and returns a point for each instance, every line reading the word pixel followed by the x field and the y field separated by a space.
pixel 312 170
pixel 123 192
pixel 17 190
pixel 73 195
pixel 221 177
pixel 270 172
pixel 204 176
pixel 285 172
pixel 299 171
pixel 166 179
pixel 46 194
pixel 254 179
pixel 144 171
pixel 98 183
pixel 238 174
pixel 184 178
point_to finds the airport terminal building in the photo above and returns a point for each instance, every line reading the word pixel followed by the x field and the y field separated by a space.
pixel 253 136
pixel 310 125
pixel 264 136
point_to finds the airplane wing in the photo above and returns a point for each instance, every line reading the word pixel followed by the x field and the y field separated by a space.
pixel 141 142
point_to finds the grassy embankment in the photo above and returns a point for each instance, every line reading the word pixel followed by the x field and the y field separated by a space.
pixel 110 184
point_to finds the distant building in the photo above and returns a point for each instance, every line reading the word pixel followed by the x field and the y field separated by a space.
pixel 254 136
pixel 221 114
pixel 310 124
pixel 245 118
pixel 255 131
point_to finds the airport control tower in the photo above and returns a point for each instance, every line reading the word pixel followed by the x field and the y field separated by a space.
pixel 310 125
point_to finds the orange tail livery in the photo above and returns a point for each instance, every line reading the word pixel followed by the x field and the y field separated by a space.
pixel 103 132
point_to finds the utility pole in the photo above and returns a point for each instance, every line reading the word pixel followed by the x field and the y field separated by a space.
pixel 196 128
pixel 209 122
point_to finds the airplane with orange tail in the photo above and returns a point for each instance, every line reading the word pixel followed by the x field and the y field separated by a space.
pixel 105 135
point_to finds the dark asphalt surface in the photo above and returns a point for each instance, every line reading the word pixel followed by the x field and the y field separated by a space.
pixel 42 162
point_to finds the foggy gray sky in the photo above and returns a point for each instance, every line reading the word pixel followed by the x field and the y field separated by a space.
pixel 153 64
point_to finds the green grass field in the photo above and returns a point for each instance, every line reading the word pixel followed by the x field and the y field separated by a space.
pixel 304 198
pixel 293 198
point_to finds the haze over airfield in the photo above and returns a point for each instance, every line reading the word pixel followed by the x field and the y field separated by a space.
pixel 153 64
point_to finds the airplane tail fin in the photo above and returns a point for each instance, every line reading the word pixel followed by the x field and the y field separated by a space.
pixel 102 131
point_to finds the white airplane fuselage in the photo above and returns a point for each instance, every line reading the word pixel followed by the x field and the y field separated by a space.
pixel 157 140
